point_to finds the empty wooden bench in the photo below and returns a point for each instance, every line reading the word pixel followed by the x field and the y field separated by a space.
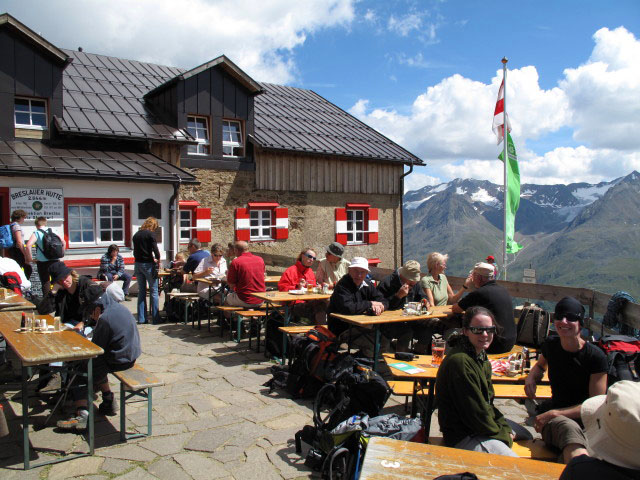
pixel 189 298
pixel 136 382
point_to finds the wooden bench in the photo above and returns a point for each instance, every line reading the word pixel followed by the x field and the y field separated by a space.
pixel 188 298
pixel 222 309
pixel 136 382
pixel 253 316
pixel 532 449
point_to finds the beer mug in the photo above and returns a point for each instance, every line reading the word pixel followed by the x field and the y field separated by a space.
pixel 437 351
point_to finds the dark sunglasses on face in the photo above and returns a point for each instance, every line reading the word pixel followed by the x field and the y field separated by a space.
pixel 571 317
pixel 480 330
pixel 217 254
pixel 309 256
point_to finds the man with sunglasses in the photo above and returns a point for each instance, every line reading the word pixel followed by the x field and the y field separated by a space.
pixel 577 371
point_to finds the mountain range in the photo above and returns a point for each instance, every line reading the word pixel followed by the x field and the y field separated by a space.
pixel 581 235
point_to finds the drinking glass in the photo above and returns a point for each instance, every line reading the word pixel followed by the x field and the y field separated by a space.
pixel 437 351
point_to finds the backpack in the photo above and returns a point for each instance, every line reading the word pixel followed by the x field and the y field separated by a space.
pixel 6 236
pixel 623 357
pixel 273 337
pixel 533 326
pixel 52 246
pixel 11 281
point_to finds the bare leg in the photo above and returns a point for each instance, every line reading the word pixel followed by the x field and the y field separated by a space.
pixel 573 450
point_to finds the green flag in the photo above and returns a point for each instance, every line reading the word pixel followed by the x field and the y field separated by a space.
pixel 513 194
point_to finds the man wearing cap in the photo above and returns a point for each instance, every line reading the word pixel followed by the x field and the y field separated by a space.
pixel 355 295
pixel 398 288
pixel 495 298
pixel 116 333
pixel 612 427
pixel 332 268
pixel 577 371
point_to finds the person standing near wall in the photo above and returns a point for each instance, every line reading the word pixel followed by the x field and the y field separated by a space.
pixel 145 247
pixel 42 262
pixel 19 252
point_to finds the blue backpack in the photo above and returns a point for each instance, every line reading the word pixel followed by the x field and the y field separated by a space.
pixel 6 236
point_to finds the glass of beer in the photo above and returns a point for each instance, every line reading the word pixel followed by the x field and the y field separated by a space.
pixel 437 351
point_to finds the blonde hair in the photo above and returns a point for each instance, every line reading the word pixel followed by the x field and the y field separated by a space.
pixel 150 224
pixel 305 250
pixel 434 259
pixel 41 222
pixel 180 255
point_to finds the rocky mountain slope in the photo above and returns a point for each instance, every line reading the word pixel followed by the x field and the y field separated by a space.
pixel 578 234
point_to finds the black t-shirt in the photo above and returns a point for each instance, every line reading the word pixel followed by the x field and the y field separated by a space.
pixel 588 468
pixel 145 247
pixel 497 300
pixel 569 372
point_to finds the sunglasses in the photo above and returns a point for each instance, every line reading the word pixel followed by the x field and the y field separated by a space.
pixel 479 330
pixel 217 255
pixel 309 256
pixel 571 317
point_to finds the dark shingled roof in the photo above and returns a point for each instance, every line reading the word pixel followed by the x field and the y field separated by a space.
pixel 288 118
pixel 36 158
pixel 103 96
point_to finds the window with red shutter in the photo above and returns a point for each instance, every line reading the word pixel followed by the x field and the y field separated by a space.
pixel 357 224
pixel 262 221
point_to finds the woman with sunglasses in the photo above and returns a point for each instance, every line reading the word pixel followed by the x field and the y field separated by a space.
pixel 300 276
pixel 213 268
pixel 577 371
pixel 464 392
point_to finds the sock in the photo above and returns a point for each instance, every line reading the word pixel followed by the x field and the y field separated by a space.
pixel 107 396
pixel 82 412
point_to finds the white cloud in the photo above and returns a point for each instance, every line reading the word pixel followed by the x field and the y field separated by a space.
pixel 449 125
pixel 405 24
pixel 416 180
pixel 189 33
pixel 370 15
pixel 604 93
pixel 417 60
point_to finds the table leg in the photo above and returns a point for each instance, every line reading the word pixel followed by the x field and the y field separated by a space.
pixel 25 417
pixel 90 405
pixel 287 312
pixel 376 347
pixel 429 411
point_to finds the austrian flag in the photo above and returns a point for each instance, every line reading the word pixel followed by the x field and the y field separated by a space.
pixel 498 116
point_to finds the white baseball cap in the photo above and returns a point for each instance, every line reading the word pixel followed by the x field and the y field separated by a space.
pixel 360 262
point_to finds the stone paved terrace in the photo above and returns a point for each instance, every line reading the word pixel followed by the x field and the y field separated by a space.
pixel 212 419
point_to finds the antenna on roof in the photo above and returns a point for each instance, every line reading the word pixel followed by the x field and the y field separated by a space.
pixel 79 49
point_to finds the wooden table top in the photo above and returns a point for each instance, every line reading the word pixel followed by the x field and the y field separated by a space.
pixel 386 458
pixel 39 348
pixel 393 316
pixel 272 279
pixel 288 297
pixel 424 363
pixel 15 302
pixel 211 281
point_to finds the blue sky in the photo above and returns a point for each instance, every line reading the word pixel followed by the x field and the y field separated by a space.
pixel 425 73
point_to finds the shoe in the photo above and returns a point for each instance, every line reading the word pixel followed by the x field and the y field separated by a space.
pixel 53 385
pixel 79 422
pixel 108 407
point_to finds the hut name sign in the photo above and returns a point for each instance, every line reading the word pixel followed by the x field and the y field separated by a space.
pixel 38 202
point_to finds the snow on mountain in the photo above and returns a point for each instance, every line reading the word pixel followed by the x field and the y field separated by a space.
pixel 416 203
pixel 481 195
pixel 592 193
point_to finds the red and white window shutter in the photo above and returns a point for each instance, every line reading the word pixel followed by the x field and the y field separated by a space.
pixel 348 219
pixel 371 237
pixel 203 224
pixel 199 219
pixel 278 227
pixel 341 225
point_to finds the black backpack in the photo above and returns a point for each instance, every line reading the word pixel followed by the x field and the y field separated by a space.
pixel 52 246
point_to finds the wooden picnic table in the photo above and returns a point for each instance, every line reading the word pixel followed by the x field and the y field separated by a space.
pixel 284 300
pixel 389 458
pixel 13 302
pixel 425 379
pixel 36 348
pixel 272 278
pixel 391 316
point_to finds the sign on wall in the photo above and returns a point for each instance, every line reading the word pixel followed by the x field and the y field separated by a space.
pixel 38 202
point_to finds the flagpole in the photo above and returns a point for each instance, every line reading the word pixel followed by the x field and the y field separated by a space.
pixel 505 130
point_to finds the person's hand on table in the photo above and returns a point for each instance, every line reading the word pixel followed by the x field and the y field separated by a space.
pixel 404 291
pixel 115 277
pixel 78 327
pixel 302 283
pixel 530 387
pixel 377 308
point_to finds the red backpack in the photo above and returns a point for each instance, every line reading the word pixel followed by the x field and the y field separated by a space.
pixel 11 280
pixel 623 357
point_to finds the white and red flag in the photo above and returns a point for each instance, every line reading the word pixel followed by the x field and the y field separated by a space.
pixel 498 116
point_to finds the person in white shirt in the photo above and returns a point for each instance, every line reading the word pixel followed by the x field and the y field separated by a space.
pixel 211 268
pixel 10 265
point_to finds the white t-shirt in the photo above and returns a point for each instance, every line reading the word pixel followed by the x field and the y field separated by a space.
pixel 10 265
pixel 219 272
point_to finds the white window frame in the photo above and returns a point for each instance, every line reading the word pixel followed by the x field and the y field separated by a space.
pixel 230 143
pixel 30 125
pixel 260 216
pixel 204 144
pixel 97 230
pixel 352 230
pixel 189 229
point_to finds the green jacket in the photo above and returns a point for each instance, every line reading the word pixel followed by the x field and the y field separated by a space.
pixel 464 396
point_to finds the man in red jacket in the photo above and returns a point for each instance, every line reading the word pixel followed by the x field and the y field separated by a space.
pixel 300 276
pixel 245 276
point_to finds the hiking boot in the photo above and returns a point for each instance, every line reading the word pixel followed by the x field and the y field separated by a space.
pixel 53 385
pixel 78 422
pixel 109 406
